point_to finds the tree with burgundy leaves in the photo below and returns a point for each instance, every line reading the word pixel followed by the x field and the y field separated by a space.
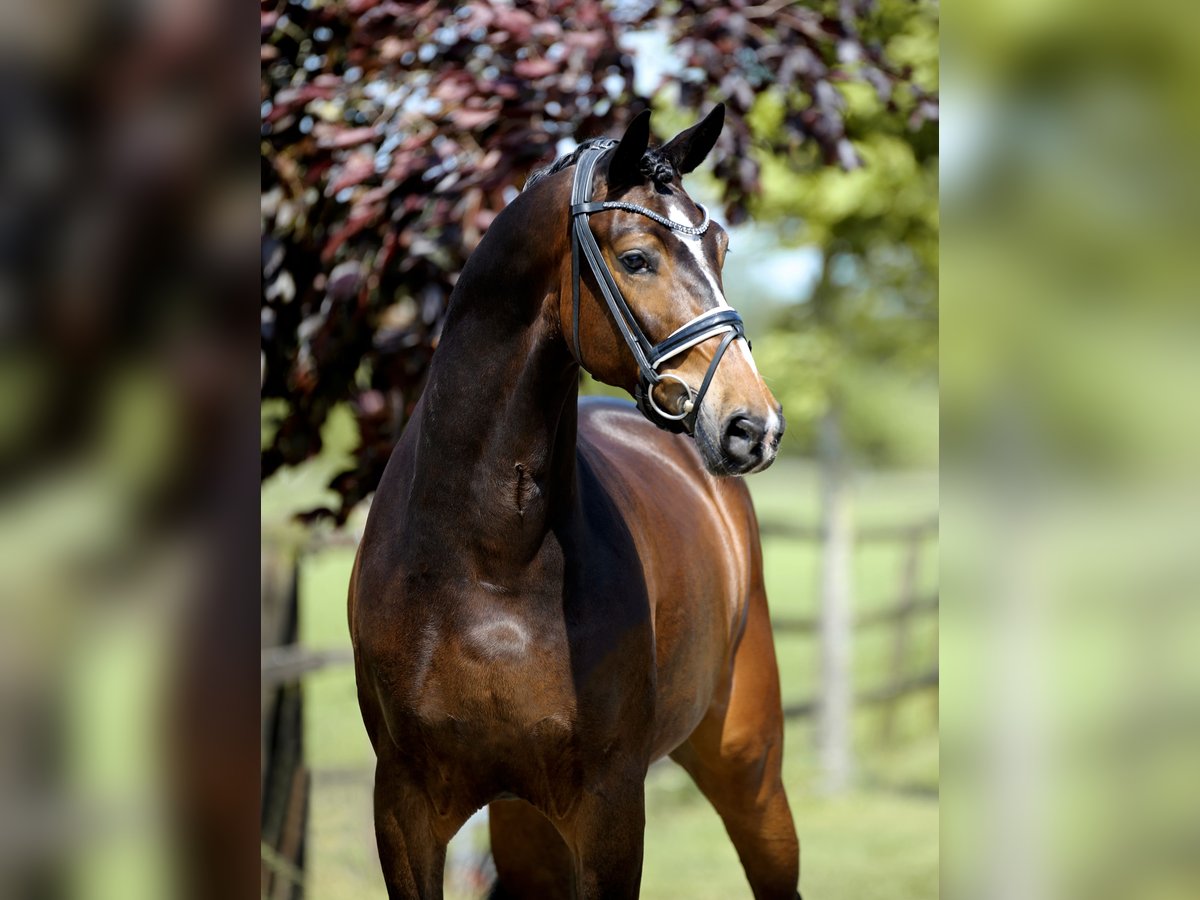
pixel 393 133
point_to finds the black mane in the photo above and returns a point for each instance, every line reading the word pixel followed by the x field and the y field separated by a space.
pixel 654 165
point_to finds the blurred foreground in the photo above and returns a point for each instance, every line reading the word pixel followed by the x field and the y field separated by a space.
pixel 128 382
pixel 128 656
pixel 1071 441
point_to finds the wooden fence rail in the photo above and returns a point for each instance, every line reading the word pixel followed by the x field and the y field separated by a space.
pixel 289 664
pixel 808 624
pixel 886 695
pixel 869 534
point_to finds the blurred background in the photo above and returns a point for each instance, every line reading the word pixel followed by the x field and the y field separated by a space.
pixel 1070 377
pixel 392 133
pixel 133 357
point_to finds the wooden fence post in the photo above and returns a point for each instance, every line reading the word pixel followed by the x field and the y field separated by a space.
pixel 836 706
pixel 285 782
pixel 900 643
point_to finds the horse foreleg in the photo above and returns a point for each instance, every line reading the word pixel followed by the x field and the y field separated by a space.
pixel 735 756
pixel 412 855
pixel 605 833
pixel 532 862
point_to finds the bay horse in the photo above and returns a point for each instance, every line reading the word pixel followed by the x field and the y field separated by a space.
pixel 551 594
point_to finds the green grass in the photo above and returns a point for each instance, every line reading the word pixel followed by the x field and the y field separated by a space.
pixel 879 841
pixel 866 845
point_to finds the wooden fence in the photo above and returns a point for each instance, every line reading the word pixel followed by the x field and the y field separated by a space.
pixel 285 778
pixel 900 616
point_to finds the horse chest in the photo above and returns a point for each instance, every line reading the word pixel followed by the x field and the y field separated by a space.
pixel 512 670
pixel 491 667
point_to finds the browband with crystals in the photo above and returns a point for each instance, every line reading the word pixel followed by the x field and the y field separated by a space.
pixel 721 320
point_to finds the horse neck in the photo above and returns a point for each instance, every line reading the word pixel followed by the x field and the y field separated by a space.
pixel 495 460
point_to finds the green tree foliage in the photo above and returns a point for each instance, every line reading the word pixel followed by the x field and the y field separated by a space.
pixel 868 333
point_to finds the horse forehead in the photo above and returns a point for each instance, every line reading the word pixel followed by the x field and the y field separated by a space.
pixel 682 211
pixel 672 204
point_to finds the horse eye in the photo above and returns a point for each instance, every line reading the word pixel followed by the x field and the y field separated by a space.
pixel 635 262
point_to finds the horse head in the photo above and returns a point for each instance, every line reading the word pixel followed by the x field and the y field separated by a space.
pixel 664 257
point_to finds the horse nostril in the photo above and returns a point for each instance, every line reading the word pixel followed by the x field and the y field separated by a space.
pixel 780 428
pixel 742 439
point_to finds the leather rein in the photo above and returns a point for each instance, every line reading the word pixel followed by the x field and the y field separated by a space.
pixel 721 320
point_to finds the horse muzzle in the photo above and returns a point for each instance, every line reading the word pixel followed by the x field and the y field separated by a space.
pixel 744 442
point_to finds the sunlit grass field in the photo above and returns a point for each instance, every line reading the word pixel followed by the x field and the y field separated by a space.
pixel 880 841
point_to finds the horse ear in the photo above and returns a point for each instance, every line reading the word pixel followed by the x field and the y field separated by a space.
pixel 625 167
pixel 688 148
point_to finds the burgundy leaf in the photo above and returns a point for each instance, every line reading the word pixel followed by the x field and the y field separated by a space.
pixel 534 68
pixel 341 139
pixel 357 169
pixel 474 118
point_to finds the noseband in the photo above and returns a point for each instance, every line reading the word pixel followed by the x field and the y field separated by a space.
pixel 649 356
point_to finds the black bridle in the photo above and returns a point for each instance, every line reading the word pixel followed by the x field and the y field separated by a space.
pixel 649 356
